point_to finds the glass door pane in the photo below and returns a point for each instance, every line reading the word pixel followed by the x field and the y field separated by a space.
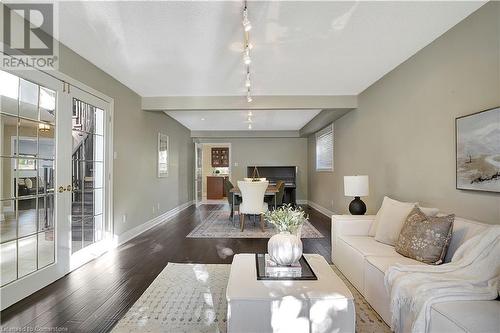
pixel 87 175
pixel 198 177
pixel 27 175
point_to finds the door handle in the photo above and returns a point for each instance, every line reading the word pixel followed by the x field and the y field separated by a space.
pixel 69 188
pixel 61 189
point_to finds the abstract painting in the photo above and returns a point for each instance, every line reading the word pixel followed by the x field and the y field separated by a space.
pixel 478 151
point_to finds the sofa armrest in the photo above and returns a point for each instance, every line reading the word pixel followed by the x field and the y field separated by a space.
pixel 351 225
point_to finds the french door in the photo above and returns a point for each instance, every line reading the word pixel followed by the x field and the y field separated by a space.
pixel 198 173
pixel 91 231
pixel 38 187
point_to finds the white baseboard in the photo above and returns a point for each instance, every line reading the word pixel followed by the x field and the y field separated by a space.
pixel 134 232
pixel 302 202
pixel 321 209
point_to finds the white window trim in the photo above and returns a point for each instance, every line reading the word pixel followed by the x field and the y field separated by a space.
pixel 325 131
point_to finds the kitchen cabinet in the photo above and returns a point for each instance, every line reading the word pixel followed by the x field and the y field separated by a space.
pixel 215 187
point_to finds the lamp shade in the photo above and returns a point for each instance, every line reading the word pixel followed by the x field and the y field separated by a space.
pixel 356 186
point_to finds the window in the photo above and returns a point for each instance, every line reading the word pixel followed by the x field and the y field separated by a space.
pixel 26 164
pixel 324 149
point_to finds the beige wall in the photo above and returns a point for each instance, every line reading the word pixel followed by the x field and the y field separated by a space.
pixel 403 136
pixel 268 151
pixel 136 187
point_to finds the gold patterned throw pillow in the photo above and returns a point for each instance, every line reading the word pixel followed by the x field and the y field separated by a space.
pixel 425 238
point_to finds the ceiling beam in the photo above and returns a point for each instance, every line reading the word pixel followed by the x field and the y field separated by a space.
pixel 167 103
pixel 321 120
pixel 245 134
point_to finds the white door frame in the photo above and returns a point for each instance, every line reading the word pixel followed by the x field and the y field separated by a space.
pixel 198 173
pixel 27 285
pixel 228 144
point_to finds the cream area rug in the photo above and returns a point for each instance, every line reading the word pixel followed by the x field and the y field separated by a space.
pixel 218 224
pixel 192 298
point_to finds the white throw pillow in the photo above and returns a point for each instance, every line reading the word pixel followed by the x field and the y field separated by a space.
pixel 429 212
pixel 390 219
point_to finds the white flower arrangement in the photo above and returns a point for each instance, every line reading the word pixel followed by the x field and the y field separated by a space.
pixel 287 218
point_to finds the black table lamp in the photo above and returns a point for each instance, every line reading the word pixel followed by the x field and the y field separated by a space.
pixel 356 186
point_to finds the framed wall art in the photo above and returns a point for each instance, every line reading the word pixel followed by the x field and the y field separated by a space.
pixel 478 151
pixel 162 155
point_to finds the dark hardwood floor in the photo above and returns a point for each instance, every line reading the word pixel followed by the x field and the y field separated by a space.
pixel 94 297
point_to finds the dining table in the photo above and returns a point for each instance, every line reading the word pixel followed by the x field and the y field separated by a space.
pixel 271 190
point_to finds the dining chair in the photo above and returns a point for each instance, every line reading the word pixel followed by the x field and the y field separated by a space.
pixel 252 195
pixel 254 179
pixel 230 197
pixel 280 186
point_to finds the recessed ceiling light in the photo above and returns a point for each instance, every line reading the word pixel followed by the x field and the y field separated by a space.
pixel 202 118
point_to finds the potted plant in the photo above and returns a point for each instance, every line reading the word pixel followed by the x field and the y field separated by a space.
pixel 285 248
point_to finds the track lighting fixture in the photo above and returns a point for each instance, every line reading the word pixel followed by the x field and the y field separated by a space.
pixel 246 52
pixel 246 58
pixel 247 82
pixel 246 22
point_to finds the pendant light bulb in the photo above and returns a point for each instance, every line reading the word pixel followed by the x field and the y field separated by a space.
pixel 249 97
pixel 246 22
pixel 246 58
pixel 247 82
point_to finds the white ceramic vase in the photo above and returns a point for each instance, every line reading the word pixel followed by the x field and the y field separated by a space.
pixel 284 248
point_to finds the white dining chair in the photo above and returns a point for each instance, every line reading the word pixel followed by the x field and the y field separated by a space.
pixel 254 179
pixel 252 194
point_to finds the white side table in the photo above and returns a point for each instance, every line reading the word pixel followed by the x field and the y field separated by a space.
pixel 323 305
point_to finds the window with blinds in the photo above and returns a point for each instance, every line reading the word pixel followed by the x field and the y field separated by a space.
pixel 324 149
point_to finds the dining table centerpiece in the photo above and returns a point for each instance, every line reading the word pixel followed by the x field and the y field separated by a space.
pixel 285 248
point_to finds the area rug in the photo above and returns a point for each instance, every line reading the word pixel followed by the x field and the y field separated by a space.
pixel 192 298
pixel 218 224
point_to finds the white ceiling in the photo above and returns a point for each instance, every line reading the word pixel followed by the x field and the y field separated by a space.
pixel 262 120
pixel 300 48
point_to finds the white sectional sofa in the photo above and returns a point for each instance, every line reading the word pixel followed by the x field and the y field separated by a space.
pixel 364 262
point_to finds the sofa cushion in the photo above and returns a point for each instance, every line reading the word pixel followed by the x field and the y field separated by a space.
pixel 390 219
pixel 350 254
pixel 350 261
pixel 429 211
pixel 383 263
pixel 425 238
pixel 462 231
pixel 375 292
pixel 466 316
pixel 369 246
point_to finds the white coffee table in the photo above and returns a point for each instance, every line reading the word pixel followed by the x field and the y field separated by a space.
pixel 323 305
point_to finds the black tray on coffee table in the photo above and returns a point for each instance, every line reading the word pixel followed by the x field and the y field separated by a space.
pixel 306 273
